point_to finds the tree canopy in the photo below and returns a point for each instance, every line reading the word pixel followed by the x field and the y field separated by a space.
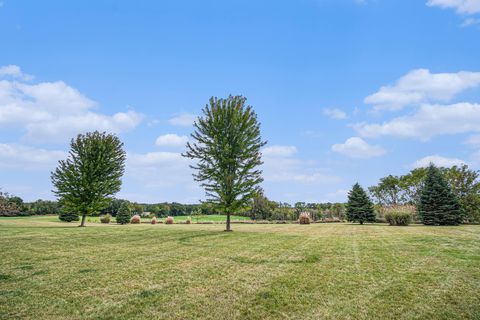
pixel 91 175
pixel 226 146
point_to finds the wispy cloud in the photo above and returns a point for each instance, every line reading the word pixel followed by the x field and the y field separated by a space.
pixel 335 113
pixel 183 119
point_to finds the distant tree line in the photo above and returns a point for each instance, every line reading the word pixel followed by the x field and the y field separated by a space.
pixel 260 208
pixel 15 206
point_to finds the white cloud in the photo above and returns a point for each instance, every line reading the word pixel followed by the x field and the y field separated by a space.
pixel 427 122
pixel 279 151
pixel 335 113
pixel 171 140
pixel 421 86
pixel 160 176
pixel 339 195
pixel 470 22
pixel 473 140
pixel 280 166
pixel 54 111
pixel 439 161
pixel 13 71
pixel 24 157
pixel 461 6
pixel 183 119
pixel 156 159
pixel 356 147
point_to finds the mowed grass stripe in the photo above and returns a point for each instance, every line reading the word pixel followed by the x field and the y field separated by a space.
pixel 257 272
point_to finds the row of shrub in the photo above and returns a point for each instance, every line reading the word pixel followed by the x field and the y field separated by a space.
pixel 136 219
pixel 305 218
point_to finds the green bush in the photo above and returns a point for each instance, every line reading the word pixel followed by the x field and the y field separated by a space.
pixel 68 217
pixel 106 218
pixel 398 218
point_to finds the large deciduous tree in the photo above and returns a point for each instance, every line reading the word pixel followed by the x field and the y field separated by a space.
pixel 465 186
pixel 226 145
pixel 438 205
pixel 359 206
pixel 86 181
pixel 388 191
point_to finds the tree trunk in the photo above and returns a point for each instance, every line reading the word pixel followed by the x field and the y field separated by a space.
pixel 228 223
pixel 361 222
pixel 84 216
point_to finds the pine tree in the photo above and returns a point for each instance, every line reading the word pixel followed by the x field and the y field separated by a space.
pixel 226 145
pixel 124 214
pixel 68 216
pixel 438 205
pixel 359 206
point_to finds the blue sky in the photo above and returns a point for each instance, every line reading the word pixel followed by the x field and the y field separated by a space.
pixel 346 90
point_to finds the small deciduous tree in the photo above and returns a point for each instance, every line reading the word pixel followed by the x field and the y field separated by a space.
pixel 438 205
pixel 359 206
pixel 226 144
pixel 91 175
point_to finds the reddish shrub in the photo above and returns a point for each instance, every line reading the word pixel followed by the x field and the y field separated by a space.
pixel 135 219
pixel 154 220
pixel 169 220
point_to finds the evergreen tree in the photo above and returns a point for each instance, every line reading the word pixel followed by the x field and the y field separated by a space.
pixel 226 144
pixel 91 175
pixel 124 214
pixel 68 216
pixel 438 205
pixel 359 206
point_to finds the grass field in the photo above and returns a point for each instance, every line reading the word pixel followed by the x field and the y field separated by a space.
pixel 54 270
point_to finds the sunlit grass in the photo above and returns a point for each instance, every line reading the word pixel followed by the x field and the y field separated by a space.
pixel 54 270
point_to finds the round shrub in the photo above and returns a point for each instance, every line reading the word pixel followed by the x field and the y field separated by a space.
pixel 68 217
pixel 169 220
pixel 135 219
pixel 188 221
pixel 398 218
pixel 304 218
pixel 106 218
pixel 154 220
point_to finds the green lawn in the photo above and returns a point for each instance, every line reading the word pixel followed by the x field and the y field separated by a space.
pixel 54 270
